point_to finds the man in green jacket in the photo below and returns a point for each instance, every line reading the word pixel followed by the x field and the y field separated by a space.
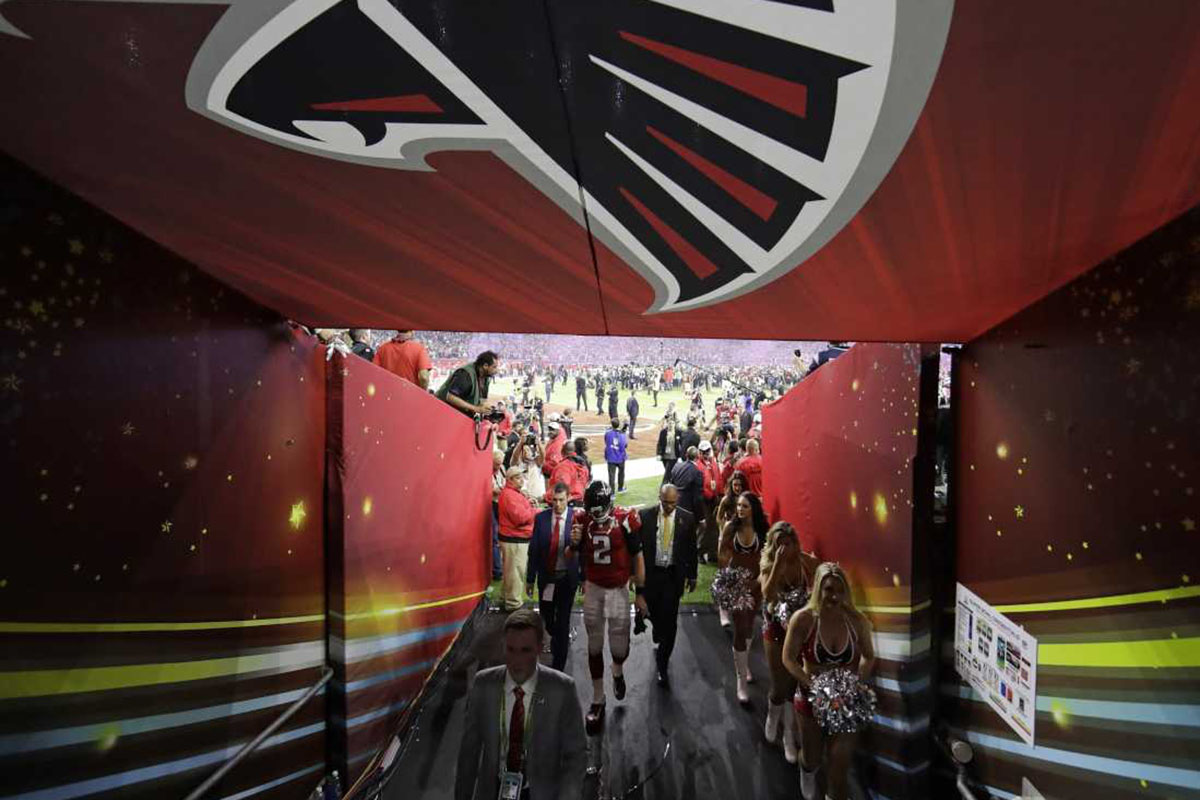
pixel 467 386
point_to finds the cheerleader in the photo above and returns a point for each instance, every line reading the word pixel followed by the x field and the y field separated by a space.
pixel 741 546
pixel 784 569
pixel 828 633
pixel 725 514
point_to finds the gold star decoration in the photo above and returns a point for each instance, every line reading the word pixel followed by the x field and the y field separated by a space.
pixel 166 526
pixel 10 382
pixel 296 518
pixel 1188 524
pixel 1133 366
pixel 127 429
pixel 75 246
pixel 1020 512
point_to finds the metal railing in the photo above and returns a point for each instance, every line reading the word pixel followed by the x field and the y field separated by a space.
pixel 257 741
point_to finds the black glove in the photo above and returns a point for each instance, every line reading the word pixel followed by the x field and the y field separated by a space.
pixel 639 623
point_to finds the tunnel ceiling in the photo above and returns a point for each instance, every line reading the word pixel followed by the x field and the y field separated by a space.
pixel 848 169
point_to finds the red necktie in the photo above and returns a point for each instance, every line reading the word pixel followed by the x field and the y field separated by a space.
pixel 552 556
pixel 516 731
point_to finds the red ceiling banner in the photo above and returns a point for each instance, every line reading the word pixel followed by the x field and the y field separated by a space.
pixel 618 168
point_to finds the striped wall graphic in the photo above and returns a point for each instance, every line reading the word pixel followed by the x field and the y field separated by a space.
pixel 1077 516
pixel 845 457
pixel 161 588
pixel 127 725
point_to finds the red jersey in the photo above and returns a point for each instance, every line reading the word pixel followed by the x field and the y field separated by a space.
pixel 404 358
pixel 554 454
pixel 608 548
pixel 573 474
pixel 751 467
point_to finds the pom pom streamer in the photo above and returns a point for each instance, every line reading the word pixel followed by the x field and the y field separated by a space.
pixel 732 589
pixel 789 604
pixel 840 702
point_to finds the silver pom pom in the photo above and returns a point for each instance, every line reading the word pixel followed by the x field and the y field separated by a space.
pixel 733 589
pixel 840 702
pixel 789 604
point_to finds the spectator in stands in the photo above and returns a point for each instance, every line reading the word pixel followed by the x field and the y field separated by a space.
pixel 615 443
pixel 406 357
pixel 467 386
pixel 362 343
pixel 515 514
pixel 752 467
pixel 555 574
pixel 670 444
pixel 632 409
pixel 502 714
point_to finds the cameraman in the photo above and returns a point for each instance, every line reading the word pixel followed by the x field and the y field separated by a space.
pixel 467 386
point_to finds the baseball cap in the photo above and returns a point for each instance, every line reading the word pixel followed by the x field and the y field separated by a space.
pixel 554 417
pixel 705 447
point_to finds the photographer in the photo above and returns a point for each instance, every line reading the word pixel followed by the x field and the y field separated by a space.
pixel 467 386
pixel 529 457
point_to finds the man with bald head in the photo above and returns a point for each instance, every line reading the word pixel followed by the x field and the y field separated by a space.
pixel 669 548
pixel 752 467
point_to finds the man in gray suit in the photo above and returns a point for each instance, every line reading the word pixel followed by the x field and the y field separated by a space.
pixel 523 719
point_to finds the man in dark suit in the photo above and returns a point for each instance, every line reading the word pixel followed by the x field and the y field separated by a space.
pixel 555 575
pixel 631 410
pixel 670 445
pixel 541 738
pixel 580 392
pixel 669 548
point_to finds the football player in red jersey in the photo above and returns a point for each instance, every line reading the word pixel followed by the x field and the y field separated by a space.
pixel 610 553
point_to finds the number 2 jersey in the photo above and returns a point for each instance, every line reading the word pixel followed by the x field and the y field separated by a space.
pixel 608 547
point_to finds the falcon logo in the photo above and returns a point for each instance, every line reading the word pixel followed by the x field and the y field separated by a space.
pixel 714 145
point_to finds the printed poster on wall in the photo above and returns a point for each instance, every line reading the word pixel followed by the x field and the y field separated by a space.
pixel 998 659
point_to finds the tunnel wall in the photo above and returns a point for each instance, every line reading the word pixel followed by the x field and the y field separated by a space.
pixel 1078 461
pixel 410 549
pixel 162 583
pixel 841 458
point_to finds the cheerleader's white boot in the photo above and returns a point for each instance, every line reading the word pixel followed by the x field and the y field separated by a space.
pixel 789 733
pixel 726 621
pixel 771 729
pixel 741 665
pixel 808 784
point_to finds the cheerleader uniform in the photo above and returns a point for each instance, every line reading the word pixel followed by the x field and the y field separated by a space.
pixel 814 651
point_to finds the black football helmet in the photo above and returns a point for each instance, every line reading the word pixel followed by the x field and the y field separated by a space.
pixel 598 500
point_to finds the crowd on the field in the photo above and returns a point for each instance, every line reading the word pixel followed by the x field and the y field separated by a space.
pixel 558 532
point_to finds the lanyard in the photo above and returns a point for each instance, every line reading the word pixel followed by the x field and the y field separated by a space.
pixel 504 731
